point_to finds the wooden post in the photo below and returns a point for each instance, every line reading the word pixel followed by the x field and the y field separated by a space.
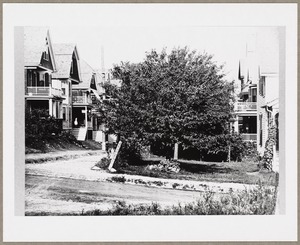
pixel 103 141
pixel 176 151
pixel 86 117
pixel 114 157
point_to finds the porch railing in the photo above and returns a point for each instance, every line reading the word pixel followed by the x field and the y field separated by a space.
pixel 56 92
pixel 246 106
pixel 38 91
pixel 44 91
pixel 81 99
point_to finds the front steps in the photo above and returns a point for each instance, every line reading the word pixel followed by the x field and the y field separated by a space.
pixel 80 133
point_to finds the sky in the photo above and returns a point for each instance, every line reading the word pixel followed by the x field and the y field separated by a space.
pixel 226 44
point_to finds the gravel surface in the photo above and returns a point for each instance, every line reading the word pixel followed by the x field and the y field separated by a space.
pixel 81 168
pixel 66 186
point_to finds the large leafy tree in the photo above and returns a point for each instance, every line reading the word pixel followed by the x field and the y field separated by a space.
pixel 180 97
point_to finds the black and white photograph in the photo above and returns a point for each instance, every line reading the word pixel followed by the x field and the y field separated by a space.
pixel 121 120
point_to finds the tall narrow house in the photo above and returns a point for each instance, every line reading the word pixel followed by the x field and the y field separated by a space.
pixel 40 65
pixel 85 98
pixel 246 106
pixel 68 74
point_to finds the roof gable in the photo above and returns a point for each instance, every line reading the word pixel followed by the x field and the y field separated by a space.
pixel 37 40
pixel 67 58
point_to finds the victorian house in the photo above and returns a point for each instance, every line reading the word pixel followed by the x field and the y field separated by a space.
pixel 257 107
pixel 86 98
pixel 68 74
pixel 39 67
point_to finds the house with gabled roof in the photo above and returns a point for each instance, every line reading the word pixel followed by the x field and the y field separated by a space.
pixel 86 97
pixel 68 73
pixel 257 107
pixel 39 67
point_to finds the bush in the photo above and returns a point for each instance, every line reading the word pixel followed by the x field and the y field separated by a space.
pixel 251 152
pixel 120 179
pixel 42 129
pixel 217 148
pixel 103 163
pixel 166 166
pixel 258 201
pixel 130 152
pixel 39 126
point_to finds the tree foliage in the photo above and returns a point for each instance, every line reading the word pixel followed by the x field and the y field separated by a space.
pixel 178 97
pixel 39 126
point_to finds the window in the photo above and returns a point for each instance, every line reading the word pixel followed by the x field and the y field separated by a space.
pixel 29 78
pixel 41 82
pixel 70 89
pixel 64 113
pixel 262 86
pixel 63 91
pixel 46 55
pixel 34 79
pixel 254 95
pixel 260 129
pixel 47 78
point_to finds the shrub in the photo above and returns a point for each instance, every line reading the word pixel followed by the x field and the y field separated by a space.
pixel 121 179
pixel 39 126
pixel 103 163
pixel 175 185
pixel 251 152
pixel 129 153
pixel 258 201
pixel 166 166
pixel 218 147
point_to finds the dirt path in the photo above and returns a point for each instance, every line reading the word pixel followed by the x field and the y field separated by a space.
pixel 80 168
pixel 58 195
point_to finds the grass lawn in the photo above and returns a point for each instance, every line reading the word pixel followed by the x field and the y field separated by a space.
pixel 246 172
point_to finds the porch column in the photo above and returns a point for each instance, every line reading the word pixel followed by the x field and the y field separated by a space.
pixel 50 107
pixel 86 117
pixel 103 141
pixel 236 125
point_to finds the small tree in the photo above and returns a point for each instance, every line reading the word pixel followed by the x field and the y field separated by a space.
pixel 179 97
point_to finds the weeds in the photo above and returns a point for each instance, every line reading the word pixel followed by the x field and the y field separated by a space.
pixel 120 179
pixel 158 183
pixel 257 201
pixel 175 185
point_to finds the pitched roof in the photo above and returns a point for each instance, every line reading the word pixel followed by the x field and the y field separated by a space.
pixel 63 55
pixel 86 75
pixel 35 43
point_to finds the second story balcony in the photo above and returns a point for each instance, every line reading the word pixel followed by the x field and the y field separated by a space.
pixel 43 91
pixel 246 106
pixel 81 99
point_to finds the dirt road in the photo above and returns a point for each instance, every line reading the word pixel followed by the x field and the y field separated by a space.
pixel 59 195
